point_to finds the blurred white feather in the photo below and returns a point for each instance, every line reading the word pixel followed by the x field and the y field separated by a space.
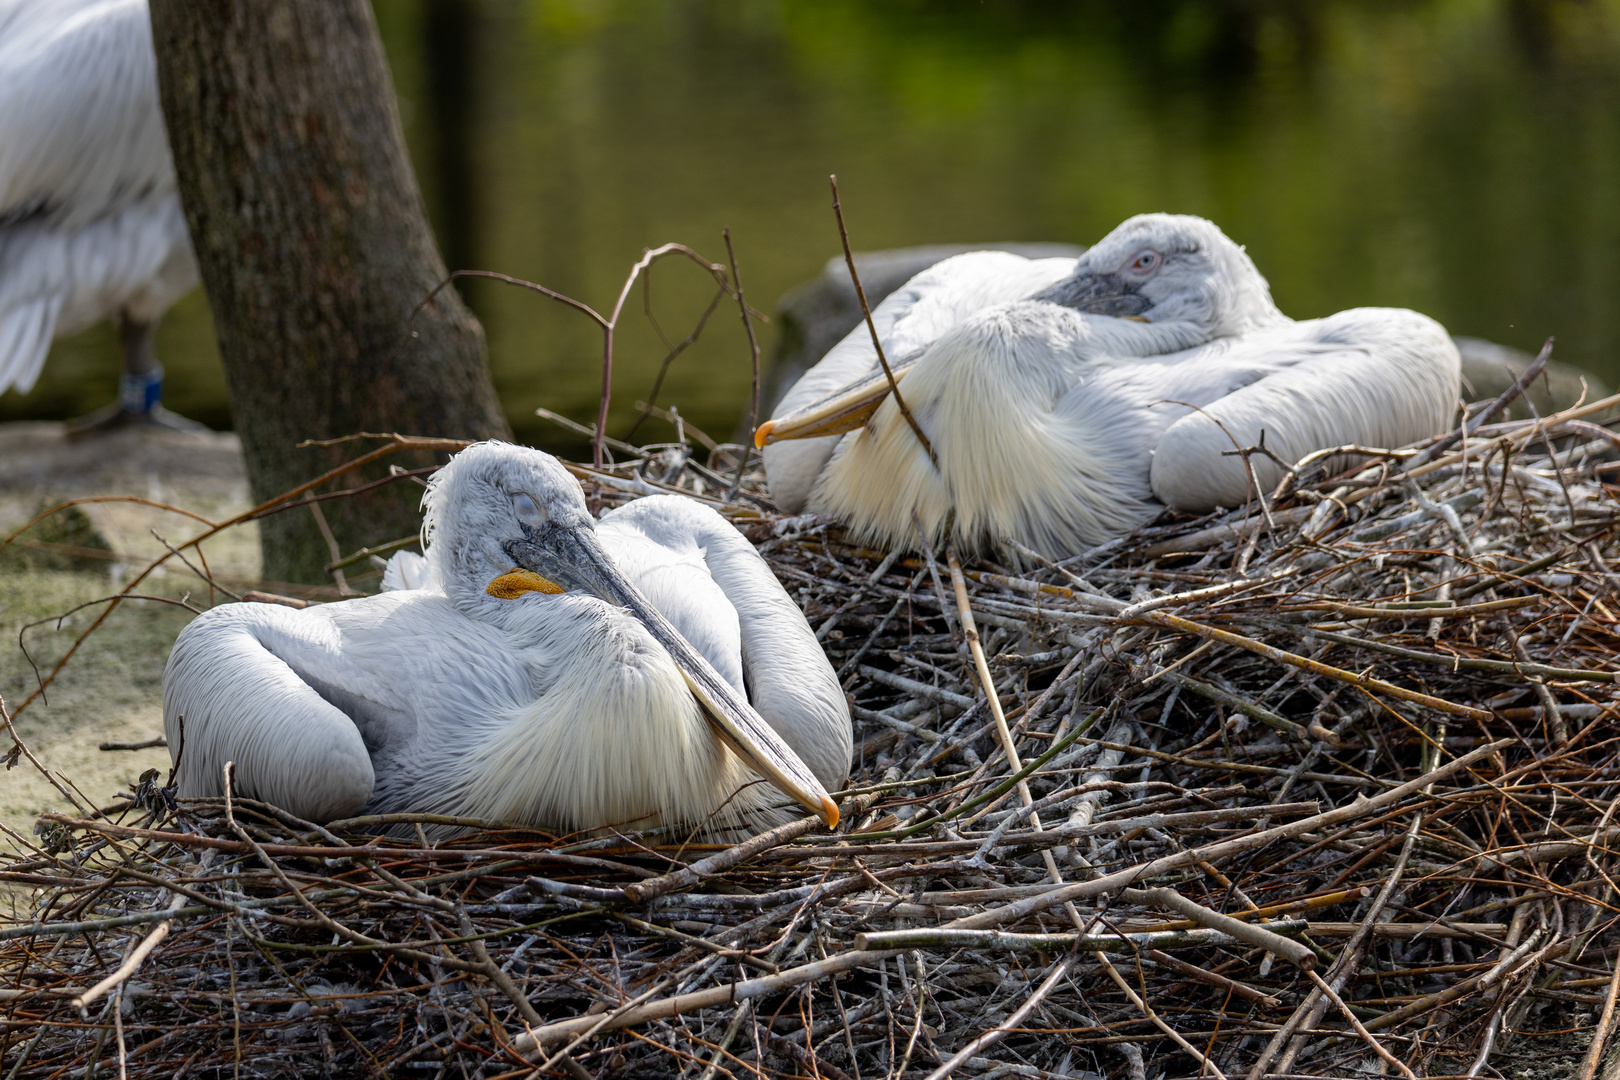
pixel 405 570
pixel 90 218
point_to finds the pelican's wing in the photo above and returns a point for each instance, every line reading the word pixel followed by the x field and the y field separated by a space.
pixel 908 320
pixel 81 131
pixel 1374 376
pixel 708 580
pixel 90 220
pixel 270 689
pixel 56 281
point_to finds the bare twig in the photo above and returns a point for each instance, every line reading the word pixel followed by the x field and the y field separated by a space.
pixel 753 352
pixel 866 312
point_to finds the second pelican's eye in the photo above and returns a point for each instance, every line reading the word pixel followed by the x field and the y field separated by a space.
pixel 1145 262
pixel 528 511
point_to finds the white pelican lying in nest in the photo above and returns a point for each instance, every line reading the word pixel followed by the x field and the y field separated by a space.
pixel 1068 401
pixel 552 670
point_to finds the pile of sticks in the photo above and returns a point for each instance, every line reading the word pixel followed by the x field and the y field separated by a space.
pixel 1322 786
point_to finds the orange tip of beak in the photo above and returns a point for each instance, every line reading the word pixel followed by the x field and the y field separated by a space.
pixel 762 433
pixel 829 812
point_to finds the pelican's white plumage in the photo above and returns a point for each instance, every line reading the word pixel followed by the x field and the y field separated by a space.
pixel 90 219
pixel 1069 400
pixel 555 708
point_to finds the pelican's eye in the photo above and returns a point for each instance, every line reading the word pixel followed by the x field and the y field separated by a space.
pixel 1145 262
pixel 529 512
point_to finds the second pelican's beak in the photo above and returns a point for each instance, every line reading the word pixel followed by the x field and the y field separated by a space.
pixel 1098 294
pixel 573 559
pixel 841 411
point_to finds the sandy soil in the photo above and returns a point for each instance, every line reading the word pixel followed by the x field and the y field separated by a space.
pixel 111 690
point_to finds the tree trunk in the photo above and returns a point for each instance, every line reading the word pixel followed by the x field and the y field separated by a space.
pixel 315 249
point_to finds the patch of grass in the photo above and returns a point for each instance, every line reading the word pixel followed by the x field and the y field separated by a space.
pixel 64 541
pixel 111 690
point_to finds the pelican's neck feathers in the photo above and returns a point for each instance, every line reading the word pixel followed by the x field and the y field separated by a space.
pixel 1029 391
pixel 1226 297
pixel 586 723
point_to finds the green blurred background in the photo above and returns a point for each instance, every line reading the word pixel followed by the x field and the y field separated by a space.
pixel 1461 157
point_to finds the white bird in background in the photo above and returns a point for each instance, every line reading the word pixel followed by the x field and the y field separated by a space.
pixel 90 220
pixel 551 669
pixel 1069 401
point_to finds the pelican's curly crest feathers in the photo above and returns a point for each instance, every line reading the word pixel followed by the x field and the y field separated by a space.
pixel 468 506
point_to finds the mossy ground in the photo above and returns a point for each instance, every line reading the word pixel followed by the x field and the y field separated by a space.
pixel 111 690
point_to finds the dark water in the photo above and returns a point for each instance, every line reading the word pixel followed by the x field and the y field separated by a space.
pixel 1461 157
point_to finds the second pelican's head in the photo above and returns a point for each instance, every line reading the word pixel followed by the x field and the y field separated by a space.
pixel 1170 268
pixel 507 524
pixel 1178 272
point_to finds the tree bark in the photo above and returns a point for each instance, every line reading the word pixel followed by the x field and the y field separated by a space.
pixel 315 249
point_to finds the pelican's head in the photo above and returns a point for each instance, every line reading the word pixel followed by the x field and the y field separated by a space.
pixel 488 496
pixel 508 525
pixel 1170 268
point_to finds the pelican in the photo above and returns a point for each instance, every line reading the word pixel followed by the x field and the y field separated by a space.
pixel 551 669
pixel 90 221
pixel 1070 400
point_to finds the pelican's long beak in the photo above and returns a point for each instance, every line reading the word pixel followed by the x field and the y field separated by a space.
pixel 573 559
pixel 1098 294
pixel 844 410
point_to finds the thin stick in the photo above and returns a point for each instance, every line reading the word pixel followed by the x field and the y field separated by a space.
pixel 607 323
pixel 1600 1034
pixel 130 965
pixel 926 937
pixel 1292 951
pixel 1058 971
pixel 1520 385
pixel 610 324
pixel 1175 1036
pixel 753 351
pixel 1310 1010
pixel 1192 856
pixel 331 546
pixel 970 631
pixel 1366 1036
pixel 1557 729
pixel 144 745
pixel 650 406
pixel 16 533
pixel 133 962
pixel 701 999
pixel 866 310
pixel 642 891
pixel 22 747
pixel 1315 667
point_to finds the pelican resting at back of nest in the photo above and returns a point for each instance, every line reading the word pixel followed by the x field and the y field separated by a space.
pixel 90 221
pixel 551 670
pixel 1068 401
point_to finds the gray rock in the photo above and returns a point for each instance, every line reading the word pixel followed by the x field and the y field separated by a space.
pixel 1489 368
